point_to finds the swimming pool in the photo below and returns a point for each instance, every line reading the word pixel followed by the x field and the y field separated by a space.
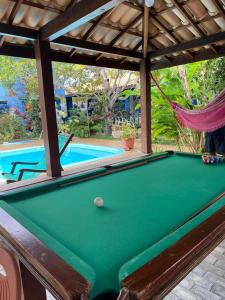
pixel 74 154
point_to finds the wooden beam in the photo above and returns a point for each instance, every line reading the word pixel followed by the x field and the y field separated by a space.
pixel 18 31
pixel 77 15
pixel 80 44
pixel 14 50
pixel 145 84
pixel 210 39
pixel 184 59
pixel 47 103
pixel 91 61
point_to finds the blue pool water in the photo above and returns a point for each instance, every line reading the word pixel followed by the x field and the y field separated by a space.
pixel 75 154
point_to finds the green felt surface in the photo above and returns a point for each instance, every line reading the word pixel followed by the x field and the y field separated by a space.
pixel 142 206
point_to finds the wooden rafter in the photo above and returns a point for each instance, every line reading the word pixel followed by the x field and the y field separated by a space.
pixel 93 27
pixel 191 22
pixel 11 17
pixel 134 49
pixel 40 6
pixel 219 8
pixel 122 32
pixel 75 16
pixel 172 35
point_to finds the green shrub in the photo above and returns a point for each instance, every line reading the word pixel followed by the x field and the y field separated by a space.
pixel 11 128
pixel 79 126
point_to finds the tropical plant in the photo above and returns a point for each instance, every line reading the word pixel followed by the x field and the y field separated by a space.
pixel 11 128
pixel 214 75
pixel 79 125
pixel 33 113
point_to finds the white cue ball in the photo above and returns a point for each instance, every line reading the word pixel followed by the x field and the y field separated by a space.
pixel 99 202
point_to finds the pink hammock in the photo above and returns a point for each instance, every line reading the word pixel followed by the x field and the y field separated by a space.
pixel 209 118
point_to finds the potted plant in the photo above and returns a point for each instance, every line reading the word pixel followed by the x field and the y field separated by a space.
pixel 116 131
pixel 128 135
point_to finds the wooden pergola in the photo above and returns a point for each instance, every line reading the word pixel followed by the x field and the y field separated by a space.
pixel 121 34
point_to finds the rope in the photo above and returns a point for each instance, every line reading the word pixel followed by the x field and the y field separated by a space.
pixel 161 91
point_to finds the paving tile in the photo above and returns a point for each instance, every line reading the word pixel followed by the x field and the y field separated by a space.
pixel 211 258
pixel 184 293
pixel 187 283
pixel 219 249
pixel 204 294
pixel 206 281
pixel 214 278
pixel 219 290
pixel 220 263
pixel 200 280
pixel 171 296
pixel 206 267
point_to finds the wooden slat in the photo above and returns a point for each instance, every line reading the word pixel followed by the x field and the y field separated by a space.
pixel 75 16
pixel 47 103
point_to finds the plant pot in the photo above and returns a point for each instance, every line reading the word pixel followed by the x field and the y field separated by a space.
pixel 128 144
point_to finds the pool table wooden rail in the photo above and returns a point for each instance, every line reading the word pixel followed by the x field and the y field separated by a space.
pixel 40 267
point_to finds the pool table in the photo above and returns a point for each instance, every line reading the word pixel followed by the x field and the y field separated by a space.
pixel 162 215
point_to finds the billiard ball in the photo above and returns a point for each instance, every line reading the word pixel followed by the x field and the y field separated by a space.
pixel 99 202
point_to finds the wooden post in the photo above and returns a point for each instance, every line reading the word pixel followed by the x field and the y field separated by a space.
pixel 47 103
pixel 145 83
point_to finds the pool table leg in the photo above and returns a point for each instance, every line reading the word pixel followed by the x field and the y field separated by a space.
pixel 32 288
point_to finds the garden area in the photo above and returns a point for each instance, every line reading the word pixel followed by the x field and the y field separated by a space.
pixel 106 102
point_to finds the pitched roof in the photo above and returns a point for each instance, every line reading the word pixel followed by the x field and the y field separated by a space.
pixel 179 31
